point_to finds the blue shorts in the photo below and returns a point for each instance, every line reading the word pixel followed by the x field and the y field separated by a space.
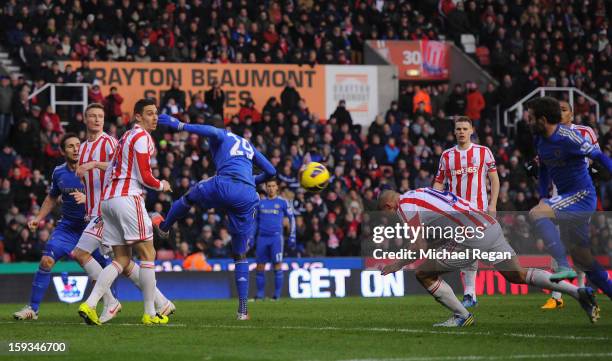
pixel 576 206
pixel 63 239
pixel 238 199
pixel 269 249
pixel 573 213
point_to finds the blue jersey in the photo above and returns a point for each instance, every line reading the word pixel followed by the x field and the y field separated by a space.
pixel 63 182
pixel 270 217
pixel 562 158
pixel 233 157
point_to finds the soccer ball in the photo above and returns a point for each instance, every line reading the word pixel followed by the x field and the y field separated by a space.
pixel 314 177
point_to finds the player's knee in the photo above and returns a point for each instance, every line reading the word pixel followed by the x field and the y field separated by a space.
pixel 261 267
pixel 127 270
pixel 278 266
pixel 535 213
pixel 424 277
pixel 47 262
pixel 81 256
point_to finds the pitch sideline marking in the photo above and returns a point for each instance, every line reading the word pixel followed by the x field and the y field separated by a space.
pixel 333 328
pixel 482 358
pixel 410 330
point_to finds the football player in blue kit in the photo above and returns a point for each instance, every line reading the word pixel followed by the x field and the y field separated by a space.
pixel 269 238
pixel 231 190
pixel 65 184
pixel 561 152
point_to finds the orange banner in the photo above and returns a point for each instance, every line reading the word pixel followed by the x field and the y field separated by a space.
pixel 239 82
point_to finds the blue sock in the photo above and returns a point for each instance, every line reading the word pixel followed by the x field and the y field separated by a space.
pixel 241 274
pixel 599 276
pixel 39 287
pixel 178 211
pixel 261 284
pixel 552 240
pixel 279 277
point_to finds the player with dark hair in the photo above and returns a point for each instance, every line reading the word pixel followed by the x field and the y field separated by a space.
pixel 231 190
pixel 269 238
pixel 127 225
pixel 65 184
pixel 561 153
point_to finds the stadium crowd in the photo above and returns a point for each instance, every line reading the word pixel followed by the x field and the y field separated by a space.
pixel 530 44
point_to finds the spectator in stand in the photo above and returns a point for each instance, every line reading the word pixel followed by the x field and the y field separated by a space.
pixel 247 110
pixel 456 101
pixel 315 247
pixel 172 108
pixel 112 105
pixel 290 97
pixel 342 115
pixel 475 103
pixel 421 95
pixel 95 94
pixel 175 93
pixel 215 98
pixel 6 100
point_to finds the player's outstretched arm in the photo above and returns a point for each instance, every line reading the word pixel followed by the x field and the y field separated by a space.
pixel 268 169
pixel 48 204
pixel 599 156
pixel 199 129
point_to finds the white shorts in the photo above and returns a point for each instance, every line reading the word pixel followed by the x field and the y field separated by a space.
pixel 126 221
pixel 493 241
pixel 91 238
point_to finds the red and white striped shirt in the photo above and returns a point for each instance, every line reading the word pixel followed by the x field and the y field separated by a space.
pixel 466 173
pixel 429 207
pixel 587 133
pixel 130 169
pixel 100 150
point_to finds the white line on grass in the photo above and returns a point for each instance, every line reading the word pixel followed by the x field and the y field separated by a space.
pixel 47 323
pixel 485 358
pixel 410 330
pixel 333 328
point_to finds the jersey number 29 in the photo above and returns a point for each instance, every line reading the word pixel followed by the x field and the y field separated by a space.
pixel 241 147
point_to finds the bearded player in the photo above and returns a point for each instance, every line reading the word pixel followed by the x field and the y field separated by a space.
pixel 231 190
pixel 126 222
pixel 433 208
pixel 561 153
pixel 567 118
pixel 466 167
pixel 94 157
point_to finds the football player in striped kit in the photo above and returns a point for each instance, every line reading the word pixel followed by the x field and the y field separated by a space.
pixel 427 207
pixel 466 168
pixel 94 157
pixel 126 222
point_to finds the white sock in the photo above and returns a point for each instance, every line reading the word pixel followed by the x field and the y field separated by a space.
pixel 581 278
pixel 105 280
pixel 93 269
pixel 556 295
pixel 147 282
pixel 444 294
pixel 469 280
pixel 134 276
pixel 540 278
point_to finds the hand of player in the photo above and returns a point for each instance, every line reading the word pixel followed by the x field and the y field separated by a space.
pixel 84 168
pixel 166 186
pixel 492 211
pixel 391 268
pixel 168 121
pixel 292 243
pixel 33 225
pixel 79 197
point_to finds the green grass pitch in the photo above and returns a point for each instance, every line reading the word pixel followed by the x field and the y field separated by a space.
pixel 394 329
